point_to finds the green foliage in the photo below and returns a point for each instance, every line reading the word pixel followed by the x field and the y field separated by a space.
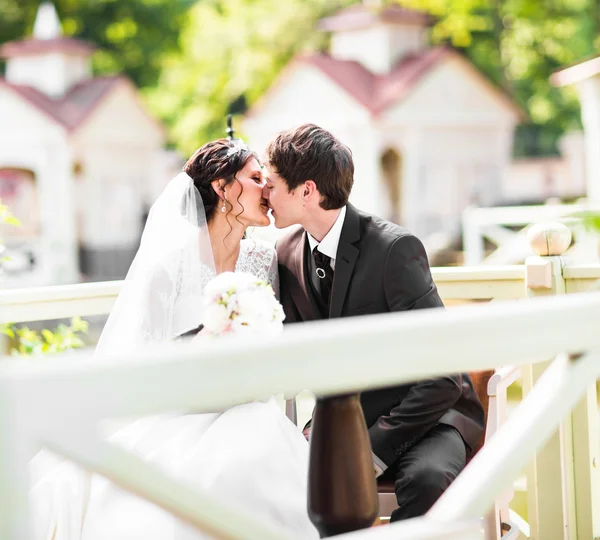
pixel 132 34
pixel 590 219
pixel 231 52
pixel 199 59
pixel 6 218
pixel 29 342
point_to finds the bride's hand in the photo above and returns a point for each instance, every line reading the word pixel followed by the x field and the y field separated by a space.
pixel 199 336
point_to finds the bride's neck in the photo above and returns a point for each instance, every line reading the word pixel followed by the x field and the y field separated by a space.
pixel 225 238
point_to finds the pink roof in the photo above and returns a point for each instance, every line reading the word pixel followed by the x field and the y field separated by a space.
pixel 73 108
pixel 26 47
pixel 376 92
pixel 360 16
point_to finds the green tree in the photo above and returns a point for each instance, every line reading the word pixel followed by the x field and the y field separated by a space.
pixel 230 53
pixel 132 34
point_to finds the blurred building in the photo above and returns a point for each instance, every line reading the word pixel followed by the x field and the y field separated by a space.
pixel 534 180
pixel 80 159
pixel 429 133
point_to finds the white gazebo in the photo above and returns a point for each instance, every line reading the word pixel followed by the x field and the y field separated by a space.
pixel 79 159
pixel 429 133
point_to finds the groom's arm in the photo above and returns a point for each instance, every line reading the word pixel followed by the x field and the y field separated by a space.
pixel 287 302
pixel 409 285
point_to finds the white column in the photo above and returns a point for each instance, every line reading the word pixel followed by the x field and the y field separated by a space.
pixel 473 241
pixel 589 91
pixel 367 193
pixel 57 204
pixel 411 179
pixel 15 453
pixel 550 476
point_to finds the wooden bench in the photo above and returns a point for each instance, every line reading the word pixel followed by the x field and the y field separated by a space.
pixel 491 388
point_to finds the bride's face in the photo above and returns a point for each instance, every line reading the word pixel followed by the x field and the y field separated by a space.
pixel 246 196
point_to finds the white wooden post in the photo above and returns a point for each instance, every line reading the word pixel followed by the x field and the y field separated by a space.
pixel 589 93
pixel 473 241
pixel 15 453
pixel 574 451
pixel 586 450
pixel 550 477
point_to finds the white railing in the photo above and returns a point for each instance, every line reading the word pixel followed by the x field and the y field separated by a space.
pixel 550 484
pixel 454 284
pixel 35 399
pixel 492 224
pixel 57 302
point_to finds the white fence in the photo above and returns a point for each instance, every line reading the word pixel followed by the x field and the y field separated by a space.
pixel 496 225
pixel 564 477
pixel 35 399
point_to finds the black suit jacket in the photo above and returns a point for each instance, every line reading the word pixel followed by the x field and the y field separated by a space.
pixel 380 267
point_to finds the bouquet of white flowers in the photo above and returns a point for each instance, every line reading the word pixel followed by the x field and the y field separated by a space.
pixel 239 303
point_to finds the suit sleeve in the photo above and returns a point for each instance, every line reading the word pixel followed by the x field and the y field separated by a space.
pixel 287 302
pixel 408 285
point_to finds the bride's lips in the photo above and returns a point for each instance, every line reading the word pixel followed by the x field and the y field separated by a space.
pixel 264 207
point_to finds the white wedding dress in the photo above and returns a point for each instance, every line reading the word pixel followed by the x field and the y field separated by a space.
pixel 250 456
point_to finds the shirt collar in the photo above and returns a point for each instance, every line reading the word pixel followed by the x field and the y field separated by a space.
pixel 329 245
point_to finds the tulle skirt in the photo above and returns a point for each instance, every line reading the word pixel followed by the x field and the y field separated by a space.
pixel 250 456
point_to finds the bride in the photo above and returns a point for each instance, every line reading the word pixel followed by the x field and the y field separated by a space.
pixel 251 455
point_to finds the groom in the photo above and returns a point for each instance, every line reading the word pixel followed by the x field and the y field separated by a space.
pixel 341 262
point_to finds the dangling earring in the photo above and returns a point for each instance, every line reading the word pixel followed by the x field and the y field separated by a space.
pixel 224 207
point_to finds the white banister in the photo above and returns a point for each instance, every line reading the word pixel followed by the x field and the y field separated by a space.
pixel 503 457
pixel 192 377
pixel 56 302
pixel 550 472
pixel 454 283
pixel 287 363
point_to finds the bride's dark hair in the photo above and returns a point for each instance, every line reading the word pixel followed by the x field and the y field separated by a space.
pixel 220 159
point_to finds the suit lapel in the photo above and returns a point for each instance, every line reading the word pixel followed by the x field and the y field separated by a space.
pixel 345 261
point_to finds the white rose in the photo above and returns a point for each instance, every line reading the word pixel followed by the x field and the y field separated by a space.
pixel 251 306
pixel 216 318
pixel 241 327
pixel 278 313
pixel 223 283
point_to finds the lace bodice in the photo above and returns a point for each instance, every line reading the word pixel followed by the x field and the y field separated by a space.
pixel 256 257
pixel 171 300
pixel 259 259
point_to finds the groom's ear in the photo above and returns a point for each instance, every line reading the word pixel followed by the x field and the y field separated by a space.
pixel 309 188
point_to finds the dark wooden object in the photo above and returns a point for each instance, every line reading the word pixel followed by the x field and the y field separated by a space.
pixel 342 492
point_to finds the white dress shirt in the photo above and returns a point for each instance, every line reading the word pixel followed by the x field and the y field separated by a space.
pixel 328 246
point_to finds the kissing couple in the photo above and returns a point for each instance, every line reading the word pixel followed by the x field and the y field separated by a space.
pixel 335 261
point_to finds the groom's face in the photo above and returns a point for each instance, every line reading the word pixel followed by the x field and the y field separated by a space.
pixel 286 206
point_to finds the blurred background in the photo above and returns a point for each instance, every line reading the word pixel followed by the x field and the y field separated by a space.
pixel 450 107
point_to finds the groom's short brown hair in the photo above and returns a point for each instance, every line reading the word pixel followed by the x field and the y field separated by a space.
pixel 312 153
